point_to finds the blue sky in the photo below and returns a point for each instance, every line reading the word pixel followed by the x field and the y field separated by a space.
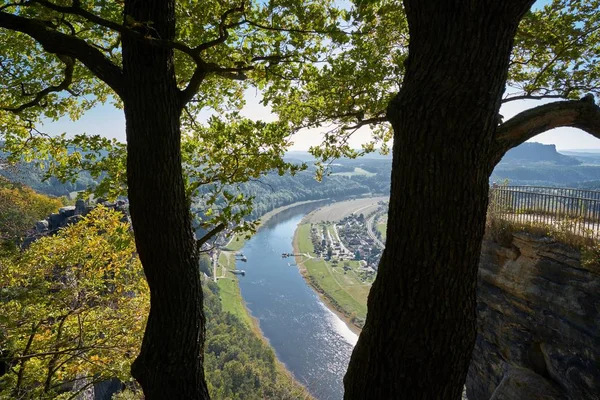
pixel 108 121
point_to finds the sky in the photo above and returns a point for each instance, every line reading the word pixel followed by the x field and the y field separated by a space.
pixel 109 122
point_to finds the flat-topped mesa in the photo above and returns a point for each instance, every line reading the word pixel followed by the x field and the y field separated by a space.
pixel 538 322
pixel 537 153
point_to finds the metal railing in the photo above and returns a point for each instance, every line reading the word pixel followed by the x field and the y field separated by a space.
pixel 567 192
pixel 574 210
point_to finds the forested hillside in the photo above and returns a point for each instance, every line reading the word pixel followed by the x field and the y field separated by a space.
pixel 345 177
pixel 274 191
pixel 32 174
pixel 527 164
pixel 51 349
pixel 238 364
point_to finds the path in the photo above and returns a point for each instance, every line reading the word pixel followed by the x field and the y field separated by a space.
pixel 215 261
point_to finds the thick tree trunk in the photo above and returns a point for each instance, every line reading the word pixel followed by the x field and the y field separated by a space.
pixel 170 364
pixel 420 328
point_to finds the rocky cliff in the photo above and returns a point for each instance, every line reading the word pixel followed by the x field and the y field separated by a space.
pixel 539 323
pixel 70 215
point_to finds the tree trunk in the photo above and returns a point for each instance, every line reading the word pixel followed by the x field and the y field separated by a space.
pixel 420 328
pixel 170 364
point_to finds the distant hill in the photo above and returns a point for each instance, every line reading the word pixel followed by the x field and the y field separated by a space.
pixel 574 152
pixel 32 175
pixel 541 165
pixel 528 164
pixel 305 156
pixel 536 153
pixel 585 156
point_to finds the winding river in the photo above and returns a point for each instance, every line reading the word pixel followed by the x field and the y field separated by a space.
pixel 312 341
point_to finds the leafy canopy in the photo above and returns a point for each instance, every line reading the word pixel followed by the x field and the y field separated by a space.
pixel 317 65
pixel 556 55
pixel 72 309
pixel 20 208
pixel 222 48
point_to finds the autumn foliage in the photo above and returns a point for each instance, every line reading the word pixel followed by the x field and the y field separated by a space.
pixel 72 309
pixel 20 208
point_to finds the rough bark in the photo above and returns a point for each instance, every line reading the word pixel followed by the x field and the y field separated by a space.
pixel 170 364
pixel 420 328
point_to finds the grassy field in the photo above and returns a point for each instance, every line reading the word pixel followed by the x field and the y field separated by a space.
pixel 339 210
pixel 304 243
pixel 343 288
pixel 236 243
pixel 350 296
pixel 232 301
pixel 229 290
pixel 382 227
pixel 224 260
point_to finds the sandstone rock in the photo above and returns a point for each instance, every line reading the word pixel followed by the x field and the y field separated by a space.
pixel 70 215
pixel 54 221
pixel 67 211
pixel 73 219
pixel 80 207
pixel 41 226
pixel 538 313
pixel 523 384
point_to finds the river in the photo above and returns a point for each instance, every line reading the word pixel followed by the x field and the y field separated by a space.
pixel 312 341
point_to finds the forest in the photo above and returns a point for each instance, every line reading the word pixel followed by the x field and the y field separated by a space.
pixel 86 335
pixel 425 80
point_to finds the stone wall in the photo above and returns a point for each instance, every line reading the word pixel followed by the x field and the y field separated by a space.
pixel 539 323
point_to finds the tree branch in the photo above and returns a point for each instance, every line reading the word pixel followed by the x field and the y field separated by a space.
pixel 533 97
pixel 368 121
pixel 583 114
pixel 235 73
pixel 547 93
pixel 117 27
pixel 75 9
pixel 187 94
pixel 305 31
pixel 238 73
pixel 209 235
pixel 64 85
pixel 223 32
pixel 59 43
pixel 60 352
